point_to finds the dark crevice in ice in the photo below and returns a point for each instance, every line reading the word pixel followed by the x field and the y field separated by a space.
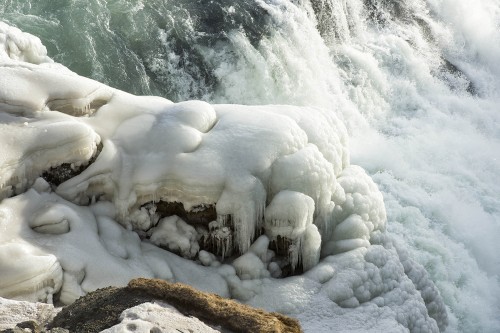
pixel 216 234
pixel 59 174
pixel 282 246
pixel 198 215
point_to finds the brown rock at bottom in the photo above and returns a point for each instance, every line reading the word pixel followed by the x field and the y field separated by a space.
pixel 101 309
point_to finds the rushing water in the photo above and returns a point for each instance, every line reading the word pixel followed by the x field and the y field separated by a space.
pixel 417 82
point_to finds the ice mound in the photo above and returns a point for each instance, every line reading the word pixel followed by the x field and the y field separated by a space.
pixel 246 193
pixel 16 45
pixel 31 146
pixel 368 290
pixel 34 136
pixel 42 233
pixel 244 161
pixel 237 159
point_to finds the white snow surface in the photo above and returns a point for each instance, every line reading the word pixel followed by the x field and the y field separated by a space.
pixel 177 236
pixel 283 168
pixel 14 312
pixel 157 317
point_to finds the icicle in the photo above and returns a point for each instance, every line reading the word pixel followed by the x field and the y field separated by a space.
pixel 288 220
pixel 220 235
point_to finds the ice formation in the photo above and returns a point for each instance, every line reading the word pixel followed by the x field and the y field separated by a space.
pixel 177 236
pixel 239 159
pixel 278 172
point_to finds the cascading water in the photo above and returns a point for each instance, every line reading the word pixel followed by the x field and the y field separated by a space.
pixel 416 81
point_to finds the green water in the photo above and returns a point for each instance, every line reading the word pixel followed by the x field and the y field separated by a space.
pixel 156 47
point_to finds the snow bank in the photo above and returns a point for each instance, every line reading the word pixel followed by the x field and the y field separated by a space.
pixel 191 176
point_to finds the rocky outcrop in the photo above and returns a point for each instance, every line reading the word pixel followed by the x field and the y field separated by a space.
pixel 102 309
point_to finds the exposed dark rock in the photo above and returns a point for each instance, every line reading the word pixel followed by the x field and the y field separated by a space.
pixel 214 309
pixel 32 327
pixel 101 309
pixel 200 215
pixel 59 174
pixel 98 310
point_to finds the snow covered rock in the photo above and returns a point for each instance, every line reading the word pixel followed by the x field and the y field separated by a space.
pixel 158 317
pixel 31 146
pixel 152 305
pixel 14 312
pixel 49 246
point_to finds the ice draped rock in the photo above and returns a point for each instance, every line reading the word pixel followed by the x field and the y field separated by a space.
pixel 233 157
pixel 236 158
pixel 33 135
pixel 270 187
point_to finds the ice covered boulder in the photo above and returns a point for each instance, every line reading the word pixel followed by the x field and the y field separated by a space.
pixel 359 213
pixel 49 246
pixel 32 145
pixel 34 137
pixel 28 273
pixel 222 166
pixel 202 155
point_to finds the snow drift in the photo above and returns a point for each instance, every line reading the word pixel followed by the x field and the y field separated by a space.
pixel 244 194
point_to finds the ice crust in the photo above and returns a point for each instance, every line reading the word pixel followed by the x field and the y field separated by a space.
pixel 14 312
pixel 280 170
pixel 177 236
pixel 158 317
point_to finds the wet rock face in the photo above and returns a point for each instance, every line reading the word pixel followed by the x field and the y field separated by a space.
pixel 102 309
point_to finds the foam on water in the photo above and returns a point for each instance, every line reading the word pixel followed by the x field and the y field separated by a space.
pixel 417 82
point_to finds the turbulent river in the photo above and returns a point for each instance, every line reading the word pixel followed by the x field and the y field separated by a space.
pixel 417 83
